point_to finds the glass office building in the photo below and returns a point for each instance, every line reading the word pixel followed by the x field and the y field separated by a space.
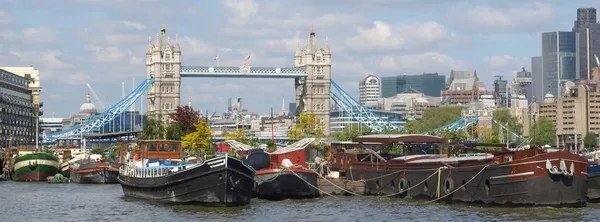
pixel 559 62
pixel 126 122
pixel 430 84
pixel 17 117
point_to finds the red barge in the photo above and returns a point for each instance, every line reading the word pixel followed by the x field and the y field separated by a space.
pixel 281 174
pixel 463 173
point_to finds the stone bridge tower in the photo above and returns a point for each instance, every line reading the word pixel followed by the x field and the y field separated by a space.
pixel 312 92
pixel 163 62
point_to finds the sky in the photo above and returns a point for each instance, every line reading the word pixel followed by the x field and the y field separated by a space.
pixel 103 42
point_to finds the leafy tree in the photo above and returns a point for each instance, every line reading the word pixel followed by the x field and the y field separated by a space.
pixel 350 131
pixel 154 128
pixel 487 136
pixel 199 140
pixel 433 118
pixel 98 151
pixel 173 132
pixel 543 132
pixel 186 118
pixel 307 126
pixel 503 116
pixel 238 135
pixel 271 144
pixel 590 140
pixel 452 135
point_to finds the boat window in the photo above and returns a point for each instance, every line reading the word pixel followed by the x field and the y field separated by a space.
pixel 152 147
pixel 164 147
pixel 68 142
pixel 61 143
pixel 174 148
pixel 75 143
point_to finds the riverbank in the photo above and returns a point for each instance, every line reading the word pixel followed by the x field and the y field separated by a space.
pixel 43 202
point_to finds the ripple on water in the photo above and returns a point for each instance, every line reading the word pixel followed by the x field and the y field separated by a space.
pixel 75 202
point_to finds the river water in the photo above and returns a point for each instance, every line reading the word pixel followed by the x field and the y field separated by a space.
pixel 75 202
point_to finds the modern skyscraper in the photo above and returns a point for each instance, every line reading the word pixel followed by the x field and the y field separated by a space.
pixel 369 89
pixel 559 63
pixel 430 84
pixel 519 84
pixel 501 92
pixel 537 80
pixel 234 103
pixel 588 45
pixel 584 16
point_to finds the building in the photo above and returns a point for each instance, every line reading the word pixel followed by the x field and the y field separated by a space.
pixel 464 87
pixel 559 64
pixel 430 84
pixel 163 62
pixel 584 16
pixel 292 108
pixel 128 121
pixel 501 93
pixel 520 83
pixel 17 110
pixel 312 93
pixel 588 46
pixel 86 111
pixel 537 80
pixel 51 125
pixel 369 89
pixel 234 103
pixel 340 118
pixel 407 104
pixel 33 75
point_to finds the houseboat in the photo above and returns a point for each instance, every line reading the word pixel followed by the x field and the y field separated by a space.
pixel 160 174
pixel 31 165
pixel 281 174
pixel 426 166
pixel 67 149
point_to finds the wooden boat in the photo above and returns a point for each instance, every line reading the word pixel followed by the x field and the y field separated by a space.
pixel 35 167
pixel 593 175
pixel 512 177
pixel 94 170
pixel 281 174
pixel 219 181
pixel 66 149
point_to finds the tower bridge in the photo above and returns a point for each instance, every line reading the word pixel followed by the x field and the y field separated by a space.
pixel 164 72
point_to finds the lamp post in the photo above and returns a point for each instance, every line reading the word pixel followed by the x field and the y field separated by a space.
pixel 37 126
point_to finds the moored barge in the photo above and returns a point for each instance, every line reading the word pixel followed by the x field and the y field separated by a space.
pixel 94 170
pixel 219 181
pixel 506 177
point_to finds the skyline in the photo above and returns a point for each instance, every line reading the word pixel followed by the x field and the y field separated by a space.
pixel 107 46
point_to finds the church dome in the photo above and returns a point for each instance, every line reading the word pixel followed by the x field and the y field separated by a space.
pixel 549 96
pixel 88 107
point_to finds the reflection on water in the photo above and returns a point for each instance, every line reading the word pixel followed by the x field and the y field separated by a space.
pixel 74 202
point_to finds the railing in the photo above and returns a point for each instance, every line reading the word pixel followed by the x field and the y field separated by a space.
pixel 131 171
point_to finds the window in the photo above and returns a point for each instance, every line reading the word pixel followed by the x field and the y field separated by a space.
pixel 152 147
pixel 174 148
pixel 164 147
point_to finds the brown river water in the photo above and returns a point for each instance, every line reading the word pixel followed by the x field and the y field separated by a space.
pixel 75 202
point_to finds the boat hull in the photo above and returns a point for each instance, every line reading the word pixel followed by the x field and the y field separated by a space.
pixel 65 170
pixel 520 183
pixel 593 193
pixel 100 175
pixel 221 181
pixel 35 167
pixel 277 184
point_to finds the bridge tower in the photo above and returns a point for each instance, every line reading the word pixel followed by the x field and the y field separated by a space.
pixel 163 62
pixel 312 92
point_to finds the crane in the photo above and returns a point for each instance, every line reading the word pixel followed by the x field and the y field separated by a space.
pixel 499 77
pixel 597 61
pixel 96 96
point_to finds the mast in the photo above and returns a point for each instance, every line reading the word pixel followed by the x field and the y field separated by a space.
pixel 272 128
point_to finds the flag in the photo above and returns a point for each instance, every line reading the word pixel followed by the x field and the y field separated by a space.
pixel 217 57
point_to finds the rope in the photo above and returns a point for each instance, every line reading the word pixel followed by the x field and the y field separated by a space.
pixel 322 191
pixel 481 171
pixel 394 194
pixel 347 191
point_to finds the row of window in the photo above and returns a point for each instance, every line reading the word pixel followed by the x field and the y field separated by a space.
pixel 319 90
pixel 168 106
pixel 13 78
pixel 318 107
pixel 163 147
pixel 166 89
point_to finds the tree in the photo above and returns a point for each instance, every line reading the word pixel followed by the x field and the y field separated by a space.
pixel 350 131
pixel 503 116
pixel 433 118
pixel 307 126
pixel 590 140
pixel 173 132
pixel 154 128
pixel 543 132
pixel 186 118
pixel 452 135
pixel 199 140
pixel 237 135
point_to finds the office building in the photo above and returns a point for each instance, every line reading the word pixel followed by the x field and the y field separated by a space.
pixel 128 121
pixel 292 108
pixel 369 89
pixel 501 93
pixel 537 79
pixel 409 105
pixel 17 110
pixel 520 84
pixel 464 87
pixel 559 63
pixel 51 125
pixel 588 46
pixel 584 16
pixel 33 76
pixel 234 103
pixel 430 84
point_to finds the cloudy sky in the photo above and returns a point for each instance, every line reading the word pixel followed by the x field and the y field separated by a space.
pixel 103 42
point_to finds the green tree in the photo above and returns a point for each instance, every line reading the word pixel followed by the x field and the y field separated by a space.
pixel 503 116
pixel 452 135
pixel 199 140
pixel 307 126
pixel 98 151
pixel 237 135
pixel 154 128
pixel 543 132
pixel 174 132
pixel 433 118
pixel 352 130
pixel 590 140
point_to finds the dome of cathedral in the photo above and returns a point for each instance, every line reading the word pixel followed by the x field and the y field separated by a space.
pixel 88 107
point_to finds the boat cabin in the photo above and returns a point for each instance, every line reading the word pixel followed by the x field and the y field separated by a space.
pixel 26 148
pixel 68 143
pixel 160 149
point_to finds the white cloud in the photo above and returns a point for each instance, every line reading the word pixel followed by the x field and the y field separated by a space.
pixel 4 18
pixel 526 15
pixel 506 62
pixel 8 36
pixel 75 78
pixel 106 54
pixel 419 63
pixel 196 47
pixel 41 35
pixel 134 25
pixel 383 36
pixel 241 11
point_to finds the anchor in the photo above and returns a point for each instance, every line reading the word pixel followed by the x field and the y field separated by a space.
pixel 552 169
